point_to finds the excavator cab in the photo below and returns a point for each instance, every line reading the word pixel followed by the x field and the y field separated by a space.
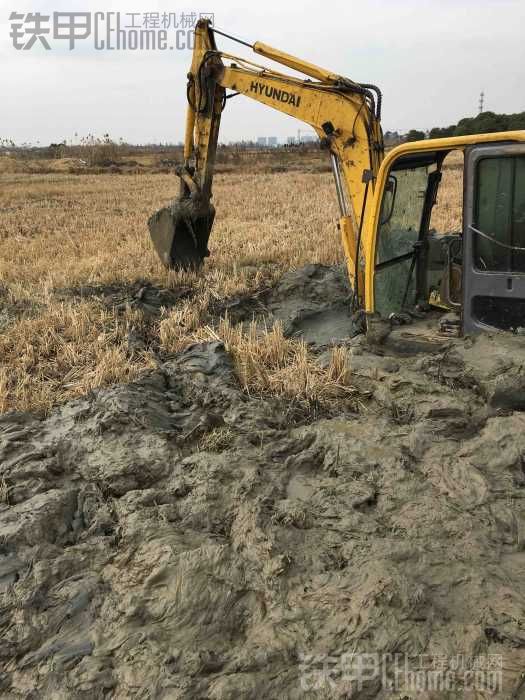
pixel 479 272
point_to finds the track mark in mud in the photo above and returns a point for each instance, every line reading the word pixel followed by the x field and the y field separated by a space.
pixel 141 295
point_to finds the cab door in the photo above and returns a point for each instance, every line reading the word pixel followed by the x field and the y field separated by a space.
pixel 494 238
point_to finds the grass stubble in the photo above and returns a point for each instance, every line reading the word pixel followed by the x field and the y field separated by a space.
pixel 61 231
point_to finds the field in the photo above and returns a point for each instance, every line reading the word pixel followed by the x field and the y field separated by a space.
pixel 74 248
pixel 208 490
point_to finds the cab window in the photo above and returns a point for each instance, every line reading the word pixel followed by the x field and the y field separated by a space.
pixel 499 215
pixel 400 222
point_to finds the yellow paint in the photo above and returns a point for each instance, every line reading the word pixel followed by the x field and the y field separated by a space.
pixel 342 119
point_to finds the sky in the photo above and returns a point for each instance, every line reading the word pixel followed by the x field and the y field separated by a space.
pixel 431 59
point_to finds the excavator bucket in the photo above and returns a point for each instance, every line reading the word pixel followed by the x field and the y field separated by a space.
pixel 180 231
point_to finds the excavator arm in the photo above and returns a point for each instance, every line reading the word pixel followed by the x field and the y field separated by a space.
pixel 345 115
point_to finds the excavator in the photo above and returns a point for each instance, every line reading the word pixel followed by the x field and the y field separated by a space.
pixel 398 267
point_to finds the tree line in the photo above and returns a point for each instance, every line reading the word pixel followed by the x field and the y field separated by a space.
pixel 483 123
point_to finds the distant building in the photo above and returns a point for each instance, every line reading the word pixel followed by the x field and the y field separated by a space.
pixel 272 141
pixel 308 138
pixel 262 141
pixel 290 140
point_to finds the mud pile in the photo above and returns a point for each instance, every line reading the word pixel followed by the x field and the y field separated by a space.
pixel 176 538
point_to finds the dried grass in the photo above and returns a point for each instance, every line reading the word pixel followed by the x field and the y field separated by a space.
pixel 267 362
pixel 62 231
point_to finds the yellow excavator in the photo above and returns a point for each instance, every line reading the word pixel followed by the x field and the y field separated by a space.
pixel 396 264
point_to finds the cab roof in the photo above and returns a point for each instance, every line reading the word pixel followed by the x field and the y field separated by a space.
pixel 431 147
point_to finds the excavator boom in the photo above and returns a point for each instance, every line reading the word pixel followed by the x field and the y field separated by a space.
pixel 344 114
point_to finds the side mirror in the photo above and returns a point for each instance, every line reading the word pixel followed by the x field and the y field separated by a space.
pixel 389 198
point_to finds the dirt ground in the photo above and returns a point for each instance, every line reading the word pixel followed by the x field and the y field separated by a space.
pixel 180 537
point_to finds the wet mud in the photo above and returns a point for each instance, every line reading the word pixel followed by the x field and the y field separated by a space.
pixel 177 538
pixel 141 295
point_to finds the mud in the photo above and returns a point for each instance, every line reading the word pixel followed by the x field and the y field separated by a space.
pixel 141 295
pixel 313 303
pixel 140 556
